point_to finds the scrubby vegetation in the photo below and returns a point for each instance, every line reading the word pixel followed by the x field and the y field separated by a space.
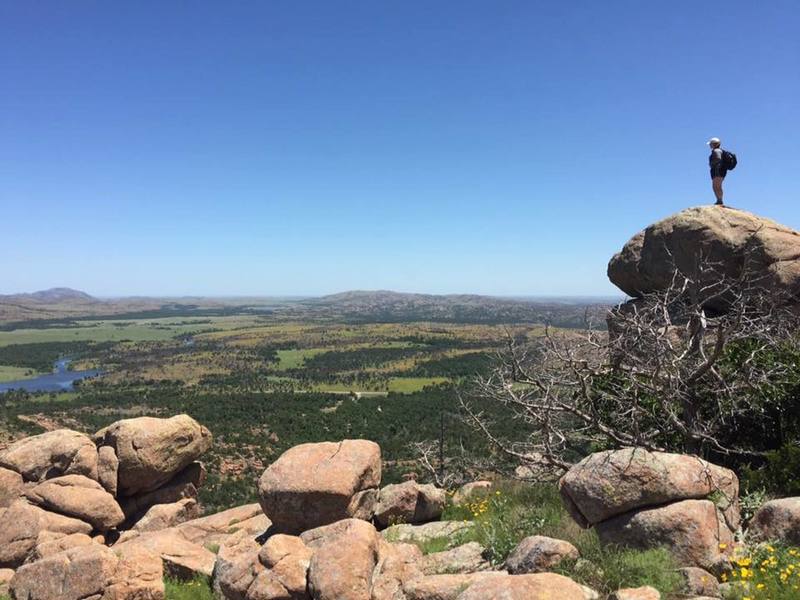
pixel 513 511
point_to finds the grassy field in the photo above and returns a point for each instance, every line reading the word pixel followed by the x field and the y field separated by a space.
pixel 141 330
pixel 15 373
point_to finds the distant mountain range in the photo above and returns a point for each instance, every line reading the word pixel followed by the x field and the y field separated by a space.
pixel 355 306
pixel 55 295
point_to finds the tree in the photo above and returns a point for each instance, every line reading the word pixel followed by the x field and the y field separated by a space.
pixel 669 374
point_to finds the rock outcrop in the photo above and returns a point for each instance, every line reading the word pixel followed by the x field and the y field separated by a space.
pixel 312 485
pixel 644 500
pixel 768 253
pixel 92 571
pixel 150 451
pixel 610 483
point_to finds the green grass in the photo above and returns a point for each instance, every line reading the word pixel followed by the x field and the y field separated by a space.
pixel 515 511
pixel 409 385
pixel 15 373
pixel 196 589
pixel 293 359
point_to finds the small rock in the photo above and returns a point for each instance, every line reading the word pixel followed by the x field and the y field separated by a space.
pixel 163 516
pixel 538 554
pixel 471 490
pixel 467 558
pixel 420 534
pixel 699 582
pixel 641 593
pixel 409 502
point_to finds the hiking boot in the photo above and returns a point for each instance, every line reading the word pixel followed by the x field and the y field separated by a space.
pixel 718 203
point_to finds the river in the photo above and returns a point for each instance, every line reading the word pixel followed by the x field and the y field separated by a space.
pixel 60 380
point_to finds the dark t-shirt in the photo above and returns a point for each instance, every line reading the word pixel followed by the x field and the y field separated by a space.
pixel 715 158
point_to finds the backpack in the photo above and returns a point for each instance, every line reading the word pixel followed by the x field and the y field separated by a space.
pixel 728 160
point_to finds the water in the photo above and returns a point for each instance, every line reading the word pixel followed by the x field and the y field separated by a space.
pixel 60 380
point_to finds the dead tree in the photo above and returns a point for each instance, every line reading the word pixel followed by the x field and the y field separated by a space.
pixel 669 374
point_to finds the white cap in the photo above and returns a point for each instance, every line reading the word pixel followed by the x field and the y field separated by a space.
pixel 713 141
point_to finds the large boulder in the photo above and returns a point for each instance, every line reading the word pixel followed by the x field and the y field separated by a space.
pixel 49 543
pixel 538 554
pixel 538 586
pixel 734 239
pixel 344 560
pixel 614 482
pixel 20 527
pixel 152 450
pixel 51 454
pixel 91 571
pixel 11 486
pixel 79 497
pixel 777 520
pixel 409 502
pixel 315 484
pixel 694 531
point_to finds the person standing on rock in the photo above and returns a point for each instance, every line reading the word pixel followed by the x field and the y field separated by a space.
pixel 718 168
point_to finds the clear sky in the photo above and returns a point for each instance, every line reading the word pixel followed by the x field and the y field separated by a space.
pixel 291 147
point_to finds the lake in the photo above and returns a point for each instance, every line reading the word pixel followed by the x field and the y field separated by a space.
pixel 60 380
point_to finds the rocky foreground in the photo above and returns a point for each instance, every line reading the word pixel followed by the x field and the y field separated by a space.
pixel 108 517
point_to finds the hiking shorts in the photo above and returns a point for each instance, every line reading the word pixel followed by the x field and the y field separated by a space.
pixel 718 171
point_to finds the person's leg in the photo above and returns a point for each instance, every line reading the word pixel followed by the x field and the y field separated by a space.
pixel 716 184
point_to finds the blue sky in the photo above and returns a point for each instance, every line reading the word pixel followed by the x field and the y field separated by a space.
pixel 278 147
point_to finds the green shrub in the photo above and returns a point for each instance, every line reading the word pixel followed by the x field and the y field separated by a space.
pixel 608 568
pixel 779 476
pixel 507 515
pixel 198 588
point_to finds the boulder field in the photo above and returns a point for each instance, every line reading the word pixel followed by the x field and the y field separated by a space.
pixel 107 517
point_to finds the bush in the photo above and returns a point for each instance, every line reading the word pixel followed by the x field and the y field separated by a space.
pixel 779 476
pixel 198 588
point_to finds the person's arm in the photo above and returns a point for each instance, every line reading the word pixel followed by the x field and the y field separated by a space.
pixel 716 157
